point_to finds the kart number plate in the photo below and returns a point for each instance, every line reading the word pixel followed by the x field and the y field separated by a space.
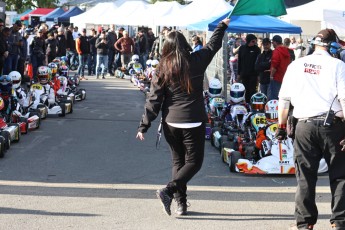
pixel 36 86
pixel 218 100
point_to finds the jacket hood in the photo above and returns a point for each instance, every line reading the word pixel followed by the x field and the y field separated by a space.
pixel 283 51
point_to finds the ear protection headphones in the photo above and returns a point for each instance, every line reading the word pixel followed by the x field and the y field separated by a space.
pixel 334 47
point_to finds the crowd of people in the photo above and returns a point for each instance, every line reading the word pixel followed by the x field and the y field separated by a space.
pixel 102 51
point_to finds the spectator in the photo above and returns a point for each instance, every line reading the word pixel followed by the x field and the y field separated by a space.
pixel 2 24
pixel 150 39
pixel 75 33
pixel 36 49
pixel 125 46
pixel 233 61
pixel 51 47
pixel 102 55
pixel 61 50
pixel 287 42
pixel 293 43
pixel 156 50
pixel 14 45
pixel 279 63
pixel 263 65
pixel 197 44
pixel 83 50
pixel 70 44
pixel 4 34
pixel 92 61
pixel 300 49
pixel 118 54
pixel 111 38
pixel 23 53
pixel 259 43
pixel 247 55
pixel 142 42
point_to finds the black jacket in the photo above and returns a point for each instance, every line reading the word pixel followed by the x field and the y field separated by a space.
pixel 102 48
pixel 61 45
pixel 264 63
pixel 177 105
pixel 247 56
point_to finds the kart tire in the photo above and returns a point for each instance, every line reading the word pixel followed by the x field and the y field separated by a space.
pixel 24 119
pixel 18 134
pixel 212 132
pixel 223 139
pixel 63 109
pixel 69 101
pixel 234 157
pixel 2 147
pixel 226 144
pixel 7 137
pixel 41 116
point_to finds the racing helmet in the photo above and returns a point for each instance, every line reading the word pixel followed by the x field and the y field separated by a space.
pixel 271 131
pixel 135 58
pixel 154 64
pixel 5 86
pixel 63 82
pixel 16 78
pixel 258 101
pixel 64 60
pixel 271 111
pixel 43 74
pixel 148 63
pixel 214 87
pixel 54 68
pixel 237 92
pixel 63 71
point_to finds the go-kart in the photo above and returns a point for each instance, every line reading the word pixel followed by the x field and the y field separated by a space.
pixel 79 94
pixel 136 73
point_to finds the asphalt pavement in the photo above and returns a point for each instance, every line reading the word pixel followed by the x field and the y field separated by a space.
pixel 87 171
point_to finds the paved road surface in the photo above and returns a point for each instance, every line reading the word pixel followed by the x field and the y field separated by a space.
pixel 87 171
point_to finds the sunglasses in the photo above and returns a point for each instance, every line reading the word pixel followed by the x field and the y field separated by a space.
pixel 253 41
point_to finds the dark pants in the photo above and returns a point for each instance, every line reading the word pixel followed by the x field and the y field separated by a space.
pixel 250 83
pixel 21 66
pixel 82 61
pixel 118 60
pixel 274 89
pixel 36 60
pixel 11 63
pixel 91 64
pixel 187 151
pixel 312 142
pixel 111 58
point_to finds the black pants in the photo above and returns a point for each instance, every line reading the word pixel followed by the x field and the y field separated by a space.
pixel 312 142
pixel 187 150
pixel 111 58
pixel 250 83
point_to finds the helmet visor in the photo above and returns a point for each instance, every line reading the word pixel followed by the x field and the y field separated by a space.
pixel 258 106
pixel 236 94
pixel 16 81
pixel 214 91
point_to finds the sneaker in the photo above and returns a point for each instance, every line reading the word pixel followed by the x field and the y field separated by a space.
pixel 83 78
pixel 165 199
pixel 103 77
pixel 294 227
pixel 182 208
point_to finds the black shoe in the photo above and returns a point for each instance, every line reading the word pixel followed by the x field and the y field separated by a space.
pixel 165 199
pixel 103 77
pixel 182 208
pixel 294 227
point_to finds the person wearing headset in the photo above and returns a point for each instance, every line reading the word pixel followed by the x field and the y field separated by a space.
pixel 315 86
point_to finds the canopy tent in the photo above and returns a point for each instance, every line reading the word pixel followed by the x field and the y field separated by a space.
pixel 121 14
pixel 50 17
pixel 28 11
pixel 310 16
pixel 197 15
pixel 257 24
pixel 65 17
pixel 95 12
pixel 36 12
pixel 335 19
pixel 155 12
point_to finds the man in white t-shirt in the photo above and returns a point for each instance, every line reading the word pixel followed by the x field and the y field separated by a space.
pixel 315 85
pixel 75 33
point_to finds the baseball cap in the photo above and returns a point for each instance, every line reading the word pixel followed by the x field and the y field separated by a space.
pixel 327 35
pixel 18 23
pixel 121 29
pixel 250 37
pixel 277 39
pixel 266 41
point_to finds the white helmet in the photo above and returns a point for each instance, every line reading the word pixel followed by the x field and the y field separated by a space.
pixel 214 87
pixel 16 78
pixel 135 58
pixel 237 92
pixel 43 74
pixel 148 63
pixel 271 111
pixel 271 131
pixel 63 82
pixel 154 63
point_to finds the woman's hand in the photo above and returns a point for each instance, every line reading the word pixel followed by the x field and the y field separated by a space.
pixel 140 136
pixel 226 21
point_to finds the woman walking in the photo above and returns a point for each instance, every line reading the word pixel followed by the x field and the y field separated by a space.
pixel 177 90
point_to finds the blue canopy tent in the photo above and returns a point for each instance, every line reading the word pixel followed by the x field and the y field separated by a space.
pixel 64 18
pixel 50 17
pixel 256 24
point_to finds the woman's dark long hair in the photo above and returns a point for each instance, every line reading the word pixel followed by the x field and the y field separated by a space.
pixel 173 67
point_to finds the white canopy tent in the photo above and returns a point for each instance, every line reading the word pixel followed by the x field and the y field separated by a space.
pixel 335 19
pixel 310 16
pixel 198 14
pixel 89 16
